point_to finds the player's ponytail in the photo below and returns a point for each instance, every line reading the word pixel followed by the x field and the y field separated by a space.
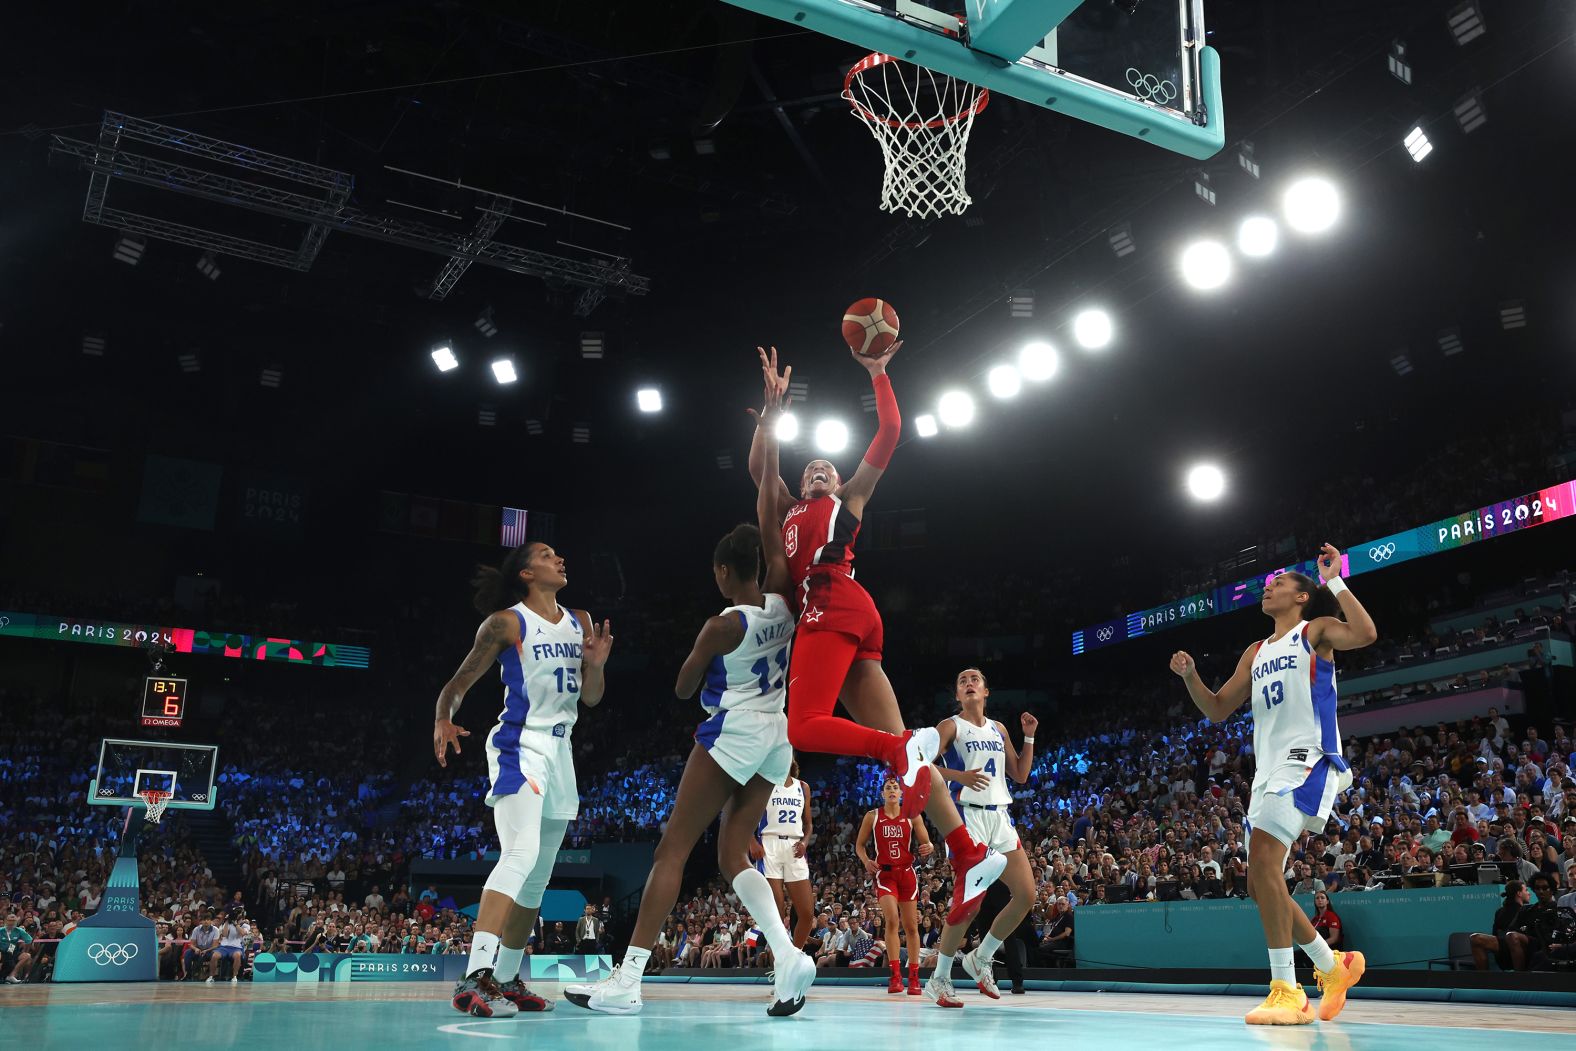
pixel 499 587
pixel 1320 602
pixel 740 551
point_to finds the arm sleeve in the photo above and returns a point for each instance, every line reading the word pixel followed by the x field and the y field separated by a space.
pixel 889 424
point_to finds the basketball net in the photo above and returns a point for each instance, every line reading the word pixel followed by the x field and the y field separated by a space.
pixel 157 800
pixel 921 119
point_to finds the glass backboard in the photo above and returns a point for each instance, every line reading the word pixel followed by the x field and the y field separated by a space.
pixel 126 768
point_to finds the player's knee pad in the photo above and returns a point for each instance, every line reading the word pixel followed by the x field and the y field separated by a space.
pixel 513 869
pixel 535 885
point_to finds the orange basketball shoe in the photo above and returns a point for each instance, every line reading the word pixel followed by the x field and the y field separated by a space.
pixel 1287 1004
pixel 1347 972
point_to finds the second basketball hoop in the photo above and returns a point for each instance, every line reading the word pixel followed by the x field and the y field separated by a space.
pixel 921 119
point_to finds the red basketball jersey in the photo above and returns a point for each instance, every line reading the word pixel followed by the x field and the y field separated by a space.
pixel 819 532
pixel 892 835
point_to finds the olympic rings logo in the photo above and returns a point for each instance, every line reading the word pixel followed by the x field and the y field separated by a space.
pixel 113 953
pixel 1104 634
pixel 1381 552
pixel 1149 87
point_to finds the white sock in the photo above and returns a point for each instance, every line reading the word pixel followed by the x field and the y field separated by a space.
pixel 1320 953
pixel 633 967
pixel 988 946
pixel 1281 969
pixel 507 969
pixel 944 964
pixel 484 947
pixel 756 896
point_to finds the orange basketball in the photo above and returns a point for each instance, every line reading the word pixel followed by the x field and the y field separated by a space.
pixel 870 327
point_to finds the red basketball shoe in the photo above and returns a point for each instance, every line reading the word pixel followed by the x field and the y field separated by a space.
pixel 910 757
pixel 972 871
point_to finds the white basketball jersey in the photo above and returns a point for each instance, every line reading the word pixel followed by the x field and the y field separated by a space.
pixel 1293 696
pixel 541 676
pixel 785 812
pixel 754 676
pixel 979 748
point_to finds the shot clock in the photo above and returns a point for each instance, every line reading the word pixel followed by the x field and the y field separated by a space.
pixel 163 701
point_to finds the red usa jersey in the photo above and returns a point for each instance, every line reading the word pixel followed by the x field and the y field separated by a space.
pixel 819 532
pixel 892 834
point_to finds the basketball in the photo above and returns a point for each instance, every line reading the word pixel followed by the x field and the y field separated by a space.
pixel 870 327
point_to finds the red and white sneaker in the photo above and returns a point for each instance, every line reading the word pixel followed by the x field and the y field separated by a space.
pixel 895 984
pixel 516 993
pixel 972 871
pixel 910 759
pixel 982 971
pixel 939 989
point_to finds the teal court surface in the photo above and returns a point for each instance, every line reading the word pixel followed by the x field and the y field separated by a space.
pixel 717 1017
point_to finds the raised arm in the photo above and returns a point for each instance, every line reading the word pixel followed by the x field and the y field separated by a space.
pixel 1358 629
pixel 596 643
pixel 497 631
pixel 889 428
pixel 1216 706
pixel 768 513
pixel 720 634
pixel 1019 764
pixel 764 478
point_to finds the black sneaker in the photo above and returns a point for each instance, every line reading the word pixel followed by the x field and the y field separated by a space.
pixel 516 993
pixel 477 994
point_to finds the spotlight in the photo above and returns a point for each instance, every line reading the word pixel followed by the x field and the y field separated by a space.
pixel 705 147
pixel 1402 364
pixel 581 435
pixel 271 378
pixel 129 249
pixel 1037 361
pixel 867 401
pixel 1021 303
pixel 591 346
pixel 1203 189
pixel 486 416
pixel 831 436
pixel 1312 205
pixel 93 346
pixel 503 371
pixel 443 357
pixel 1206 482
pixel 725 460
pixel 533 427
pixel 648 399
pixel 484 323
pixel 1469 111
pixel 1417 144
pixel 799 391
pixel 1092 329
pixel 1206 265
pixel 190 362
pixel 1512 314
pixel 1466 22
pixel 1004 381
pixel 1450 342
pixel 1247 161
pixel 207 266
pixel 956 408
pixel 925 425
pixel 787 429
pixel 1400 68
pixel 1121 240
pixel 1257 236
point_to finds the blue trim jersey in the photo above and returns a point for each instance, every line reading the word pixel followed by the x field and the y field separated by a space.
pixel 754 676
pixel 1294 730
pixel 979 748
pixel 541 676
pixel 784 814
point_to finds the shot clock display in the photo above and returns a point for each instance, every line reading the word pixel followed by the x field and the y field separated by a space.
pixel 163 701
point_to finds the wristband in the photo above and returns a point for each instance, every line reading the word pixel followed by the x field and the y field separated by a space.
pixel 1028 740
pixel 1337 586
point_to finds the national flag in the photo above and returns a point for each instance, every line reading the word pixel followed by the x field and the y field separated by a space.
pixel 512 531
pixel 753 938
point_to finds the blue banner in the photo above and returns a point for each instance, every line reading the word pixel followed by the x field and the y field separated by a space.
pixel 412 967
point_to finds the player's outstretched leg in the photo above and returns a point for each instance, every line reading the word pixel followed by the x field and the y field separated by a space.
pixel 1286 1004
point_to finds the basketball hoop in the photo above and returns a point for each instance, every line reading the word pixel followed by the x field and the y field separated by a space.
pixel 157 800
pixel 921 120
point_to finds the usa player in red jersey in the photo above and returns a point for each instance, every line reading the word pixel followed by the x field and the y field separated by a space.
pixel 896 884
pixel 837 644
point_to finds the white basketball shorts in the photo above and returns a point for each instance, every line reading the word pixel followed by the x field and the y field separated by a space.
pixel 991 827
pixel 746 743
pixel 780 863
pixel 515 753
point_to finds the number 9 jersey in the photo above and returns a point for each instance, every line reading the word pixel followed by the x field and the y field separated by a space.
pixel 744 693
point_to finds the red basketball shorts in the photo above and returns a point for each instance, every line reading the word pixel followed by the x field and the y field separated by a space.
pixel 899 883
pixel 831 600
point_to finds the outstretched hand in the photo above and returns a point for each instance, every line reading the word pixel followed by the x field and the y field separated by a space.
pixel 596 644
pixel 444 734
pixel 876 366
pixel 1329 563
pixel 777 399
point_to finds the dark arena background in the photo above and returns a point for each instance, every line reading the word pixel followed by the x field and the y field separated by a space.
pixel 308 310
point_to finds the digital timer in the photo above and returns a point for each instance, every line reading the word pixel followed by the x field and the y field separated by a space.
pixel 163 701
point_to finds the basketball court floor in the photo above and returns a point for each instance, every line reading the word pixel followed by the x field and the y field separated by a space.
pixel 718 1017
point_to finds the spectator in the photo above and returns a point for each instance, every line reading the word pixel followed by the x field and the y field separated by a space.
pixel 374 900
pixel 1326 922
pixel 1505 950
pixel 1059 931
pixel 232 937
pixel 200 948
pixel 588 932
pixel 13 950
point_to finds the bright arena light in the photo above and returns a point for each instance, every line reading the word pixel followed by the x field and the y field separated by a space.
pixel 1257 236
pixel 1206 482
pixel 503 369
pixel 1206 265
pixel 956 408
pixel 925 425
pixel 1312 205
pixel 444 358
pixel 1038 362
pixel 1004 381
pixel 831 436
pixel 787 429
pixel 648 399
pixel 1092 329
